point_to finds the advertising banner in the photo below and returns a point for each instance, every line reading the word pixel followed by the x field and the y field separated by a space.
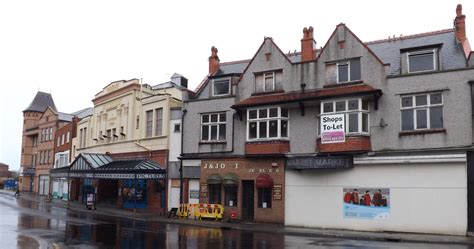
pixel 366 203
pixel 332 129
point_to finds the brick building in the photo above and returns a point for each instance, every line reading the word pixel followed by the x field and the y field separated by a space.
pixel 367 134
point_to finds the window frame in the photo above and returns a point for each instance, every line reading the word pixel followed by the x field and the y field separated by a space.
pixel 261 192
pixel 360 114
pixel 264 76
pixel 231 191
pixel 426 107
pixel 221 80
pixel 209 124
pixel 279 118
pixel 340 63
pixel 422 52
pixel 149 123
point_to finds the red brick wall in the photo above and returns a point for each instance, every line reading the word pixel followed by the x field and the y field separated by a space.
pixel 249 169
pixel 352 144
pixel 267 147
pixel 159 156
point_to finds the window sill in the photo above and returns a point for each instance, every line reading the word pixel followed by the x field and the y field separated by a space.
pixel 343 84
pixel 421 132
pixel 268 140
pixel 212 142
pixel 265 93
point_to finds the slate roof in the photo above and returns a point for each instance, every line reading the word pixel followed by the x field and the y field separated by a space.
pixel 41 101
pixel 65 116
pixel 234 67
pixel 84 112
pixel 298 96
pixel 451 53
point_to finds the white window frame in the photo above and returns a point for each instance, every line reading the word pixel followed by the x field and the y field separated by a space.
pixel 221 80
pixel 210 124
pixel 67 137
pixel 421 52
pixel 258 120
pixel 264 75
pixel 348 63
pixel 346 113
pixel 426 107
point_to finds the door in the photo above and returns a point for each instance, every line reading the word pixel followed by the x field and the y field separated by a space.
pixel 43 185
pixel 174 198
pixel 247 200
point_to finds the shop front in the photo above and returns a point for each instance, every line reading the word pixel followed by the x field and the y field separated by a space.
pixel 250 188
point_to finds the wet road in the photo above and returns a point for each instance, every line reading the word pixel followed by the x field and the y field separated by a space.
pixel 29 224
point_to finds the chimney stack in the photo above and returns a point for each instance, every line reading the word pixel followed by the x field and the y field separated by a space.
pixel 460 24
pixel 213 61
pixel 308 45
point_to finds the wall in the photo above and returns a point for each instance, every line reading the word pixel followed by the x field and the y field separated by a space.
pixel 426 198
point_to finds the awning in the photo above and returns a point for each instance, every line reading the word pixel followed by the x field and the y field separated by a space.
pixel 230 179
pixel 264 181
pixel 214 179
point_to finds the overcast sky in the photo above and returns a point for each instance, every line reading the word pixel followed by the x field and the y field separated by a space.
pixel 73 49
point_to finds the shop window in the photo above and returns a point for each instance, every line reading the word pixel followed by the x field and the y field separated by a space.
pixel 214 193
pixel 356 114
pixel 213 127
pixel 267 124
pixel 231 196
pixel 265 197
pixel 420 112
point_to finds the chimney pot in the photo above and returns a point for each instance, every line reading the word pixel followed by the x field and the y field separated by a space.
pixel 307 45
pixel 213 61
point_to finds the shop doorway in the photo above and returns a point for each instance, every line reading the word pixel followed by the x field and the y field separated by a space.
pixel 43 188
pixel 107 191
pixel 247 200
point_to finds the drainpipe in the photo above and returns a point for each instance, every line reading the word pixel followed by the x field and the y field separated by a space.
pixel 181 159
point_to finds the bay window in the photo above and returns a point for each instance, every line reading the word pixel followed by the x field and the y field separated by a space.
pixel 267 123
pixel 213 127
pixel 419 112
pixel 356 114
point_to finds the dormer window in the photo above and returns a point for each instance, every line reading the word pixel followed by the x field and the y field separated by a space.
pixel 422 61
pixel 220 87
pixel 267 81
pixel 343 71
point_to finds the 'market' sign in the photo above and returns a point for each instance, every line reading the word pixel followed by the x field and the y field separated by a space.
pixel 332 129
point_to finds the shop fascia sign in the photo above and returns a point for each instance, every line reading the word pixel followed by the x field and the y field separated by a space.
pixel 333 128
pixel 319 162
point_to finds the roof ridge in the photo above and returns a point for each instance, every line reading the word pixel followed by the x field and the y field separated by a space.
pixel 436 32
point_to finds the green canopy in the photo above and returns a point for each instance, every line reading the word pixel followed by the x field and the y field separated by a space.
pixel 230 179
pixel 214 179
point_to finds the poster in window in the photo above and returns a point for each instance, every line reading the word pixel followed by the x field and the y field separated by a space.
pixel 332 129
pixel 366 203
pixel 203 190
pixel 277 192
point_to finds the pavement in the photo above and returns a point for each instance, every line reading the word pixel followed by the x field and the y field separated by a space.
pixel 260 227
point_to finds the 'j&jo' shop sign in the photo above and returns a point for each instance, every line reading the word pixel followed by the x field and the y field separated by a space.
pixel 221 166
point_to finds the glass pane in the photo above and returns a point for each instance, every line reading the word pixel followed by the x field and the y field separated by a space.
pixel 407 101
pixel 222 132
pixel 353 122
pixel 331 73
pixel 205 133
pixel 205 118
pixel 328 107
pixel 262 113
pixel 355 69
pixel 340 106
pixel 214 118
pixel 253 130
pixel 284 112
pixel 365 104
pixel 421 122
pixel 213 132
pixel 343 73
pixel 436 98
pixel 421 62
pixel 269 82
pixel 259 83
pixel 253 114
pixel 284 128
pixel 273 128
pixel 353 104
pixel 436 117
pixel 407 120
pixel 221 87
pixel 273 112
pixel 222 117
pixel 421 100
pixel 263 129
pixel 365 122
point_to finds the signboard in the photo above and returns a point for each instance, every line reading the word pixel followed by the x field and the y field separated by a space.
pixel 320 162
pixel 332 129
pixel 277 192
pixel 203 190
pixel 366 203
pixel 29 171
pixel 194 194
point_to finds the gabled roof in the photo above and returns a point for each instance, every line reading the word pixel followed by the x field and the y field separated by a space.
pixel 65 116
pixel 41 101
pixel 299 96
